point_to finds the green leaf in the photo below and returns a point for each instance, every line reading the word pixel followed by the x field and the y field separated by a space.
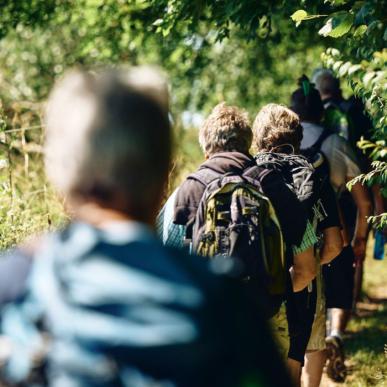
pixel 327 28
pixel 299 16
pixel 158 22
pixel 344 69
pixel 337 26
pixel 353 69
pixel 336 2
pixel 337 65
pixel 361 30
pixel 368 77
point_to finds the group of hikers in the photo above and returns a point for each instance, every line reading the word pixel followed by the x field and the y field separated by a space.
pixel 228 281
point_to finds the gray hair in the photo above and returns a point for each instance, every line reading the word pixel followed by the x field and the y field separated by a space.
pixel 109 133
pixel 226 129
pixel 326 83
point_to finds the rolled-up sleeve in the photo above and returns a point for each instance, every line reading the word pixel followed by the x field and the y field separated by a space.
pixel 309 239
pixel 170 233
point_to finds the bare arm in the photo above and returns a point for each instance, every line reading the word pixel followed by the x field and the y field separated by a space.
pixel 363 203
pixel 378 200
pixel 303 270
pixel 333 244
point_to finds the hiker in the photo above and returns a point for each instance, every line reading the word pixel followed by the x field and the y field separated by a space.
pixel 277 137
pixel 225 138
pixel 105 303
pixel 357 126
pixel 355 207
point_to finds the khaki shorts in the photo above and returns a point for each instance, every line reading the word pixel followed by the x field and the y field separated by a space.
pixel 279 327
pixel 317 337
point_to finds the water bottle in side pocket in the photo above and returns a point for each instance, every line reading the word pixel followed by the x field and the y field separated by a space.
pixel 380 240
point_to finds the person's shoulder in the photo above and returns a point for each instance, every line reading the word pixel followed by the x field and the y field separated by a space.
pixel 192 183
pixel 332 140
pixel 188 184
pixel 340 143
pixel 188 197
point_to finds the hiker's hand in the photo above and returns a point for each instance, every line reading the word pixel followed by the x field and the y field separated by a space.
pixel 359 248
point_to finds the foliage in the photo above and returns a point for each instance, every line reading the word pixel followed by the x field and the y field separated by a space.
pixel 203 69
pixel 244 52
pixel 28 205
pixel 31 13
pixel 361 59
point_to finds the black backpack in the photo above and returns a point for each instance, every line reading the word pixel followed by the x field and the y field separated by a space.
pixel 305 175
pixel 296 170
pixel 236 219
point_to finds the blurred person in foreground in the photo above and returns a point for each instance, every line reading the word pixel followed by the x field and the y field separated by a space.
pixel 105 304
pixel 277 137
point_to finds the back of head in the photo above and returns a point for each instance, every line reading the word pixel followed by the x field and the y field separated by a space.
pixel 326 83
pixel 108 137
pixel 226 129
pixel 277 128
pixel 306 101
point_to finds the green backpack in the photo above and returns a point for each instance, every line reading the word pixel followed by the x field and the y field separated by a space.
pixel 235 219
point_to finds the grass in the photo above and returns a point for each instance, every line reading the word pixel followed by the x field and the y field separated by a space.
pixel 366 341
pixel 28 205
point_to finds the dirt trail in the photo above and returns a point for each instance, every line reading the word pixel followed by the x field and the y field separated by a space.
pixel 367 333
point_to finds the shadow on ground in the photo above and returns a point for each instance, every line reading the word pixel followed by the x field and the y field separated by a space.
pixel 369 327
pixel 365 346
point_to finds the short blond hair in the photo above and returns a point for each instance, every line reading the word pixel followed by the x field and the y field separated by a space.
pixel 277 128
pixel 226 129
pixel 108 133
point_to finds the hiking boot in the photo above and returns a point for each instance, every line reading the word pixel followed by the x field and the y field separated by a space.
pixel 336 369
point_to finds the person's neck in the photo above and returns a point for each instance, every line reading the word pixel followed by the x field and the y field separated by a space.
pixel 326 97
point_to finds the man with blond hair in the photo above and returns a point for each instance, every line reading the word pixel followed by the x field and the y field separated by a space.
pixel 106 304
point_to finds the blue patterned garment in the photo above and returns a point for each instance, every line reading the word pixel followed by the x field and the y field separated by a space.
pixel 120 309
pixel 171 234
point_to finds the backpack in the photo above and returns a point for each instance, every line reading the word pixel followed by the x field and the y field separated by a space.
pixel 321 173
pixel 296 170
pixel 303 175
pixel 234 219
pixel 316 157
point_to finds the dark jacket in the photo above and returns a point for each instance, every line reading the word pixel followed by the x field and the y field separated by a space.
pixel 291 214
pixel 123 310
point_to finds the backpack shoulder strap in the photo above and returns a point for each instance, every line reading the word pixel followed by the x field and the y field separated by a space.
pixel 204 176
pixel 255 173
pixel 323 136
